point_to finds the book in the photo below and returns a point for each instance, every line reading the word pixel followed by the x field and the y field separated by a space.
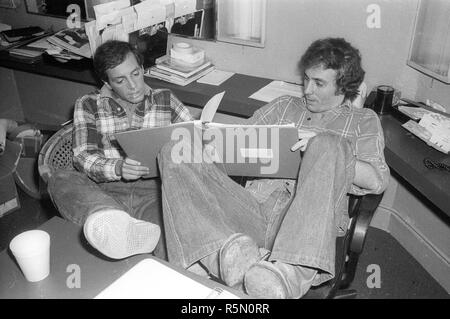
pixel 19 34
pixel 239 150
pixel 176 79
pixel 180 68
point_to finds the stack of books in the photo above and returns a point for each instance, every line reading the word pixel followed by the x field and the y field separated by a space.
pixel 179 72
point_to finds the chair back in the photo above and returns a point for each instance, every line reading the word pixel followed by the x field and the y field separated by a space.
pixel 56 153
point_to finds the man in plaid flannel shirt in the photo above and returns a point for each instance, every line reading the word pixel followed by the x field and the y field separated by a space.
pixel 107 194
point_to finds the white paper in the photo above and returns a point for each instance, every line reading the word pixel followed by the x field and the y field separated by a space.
pixel 276 89
pixel 106 8
pixel 149 14
pixel 439 127
pixel 151 279
pixel 183 7
pixel 211 107
pixel 216 77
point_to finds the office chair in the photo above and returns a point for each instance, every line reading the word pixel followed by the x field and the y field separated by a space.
pixel 56 153
pixel 348 249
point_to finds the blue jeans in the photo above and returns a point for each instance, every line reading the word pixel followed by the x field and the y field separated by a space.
pixel 76 197
pixel 202 207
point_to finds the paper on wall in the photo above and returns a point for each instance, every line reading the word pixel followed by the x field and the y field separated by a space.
pixel 150 279
pixel 439 127
pixel 183 7
pixel 95 40
pixel 109 7
pixel 149 14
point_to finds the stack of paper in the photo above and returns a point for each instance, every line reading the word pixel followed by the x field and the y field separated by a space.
pixel 174 71
pixel 70 44
pixel 434 129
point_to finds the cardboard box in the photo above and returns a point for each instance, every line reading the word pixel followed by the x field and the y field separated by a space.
pixel 9 199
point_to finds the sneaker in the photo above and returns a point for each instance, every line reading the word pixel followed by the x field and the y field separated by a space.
pixel 236 256
pixel 277 280
pixel 118 235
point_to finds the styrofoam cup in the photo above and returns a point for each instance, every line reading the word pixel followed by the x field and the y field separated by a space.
pixel 32 252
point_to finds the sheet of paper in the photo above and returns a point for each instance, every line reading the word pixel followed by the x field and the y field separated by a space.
pixel 216 77
pixel 151 279
pixel 129 22
pixel 95 40
pixel 276 89
pixel 41 44
pixel 211 107
pixel 109 7
pixel 439 127
pixel 183 7
pixel 149 14
pixel 113 18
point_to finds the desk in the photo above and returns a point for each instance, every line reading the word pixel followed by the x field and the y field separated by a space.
pixel 405 153
pixel 235 102
pixel 69 247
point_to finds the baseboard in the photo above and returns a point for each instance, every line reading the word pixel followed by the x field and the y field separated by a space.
pixel 429 256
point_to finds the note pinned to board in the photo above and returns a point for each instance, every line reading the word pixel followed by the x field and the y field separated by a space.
pixel 151 279
pixel 276 89
pixel 216 77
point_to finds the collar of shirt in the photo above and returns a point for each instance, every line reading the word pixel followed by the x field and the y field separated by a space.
pixel 106 93
pixel 322 118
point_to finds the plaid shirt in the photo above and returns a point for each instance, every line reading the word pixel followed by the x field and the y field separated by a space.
pixel 360 126
pixel 98 116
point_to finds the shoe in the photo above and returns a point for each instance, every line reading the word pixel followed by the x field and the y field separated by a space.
pixel 236 256
pixel 266 281
pixel 277 280
pixel 118 235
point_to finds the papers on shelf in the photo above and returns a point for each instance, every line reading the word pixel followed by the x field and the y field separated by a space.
pixel 439 127
pixel 216 77
pixel 416 113
pixel 433 129
pixel 276 89
pixel 151 279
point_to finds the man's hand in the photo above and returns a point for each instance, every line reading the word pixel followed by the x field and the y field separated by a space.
pixel 133 170
pixel 304 137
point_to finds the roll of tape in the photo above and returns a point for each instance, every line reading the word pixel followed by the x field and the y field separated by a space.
pixel 183 47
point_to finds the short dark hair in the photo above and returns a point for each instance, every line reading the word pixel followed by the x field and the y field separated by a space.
pixel 112 53
pixel 339 55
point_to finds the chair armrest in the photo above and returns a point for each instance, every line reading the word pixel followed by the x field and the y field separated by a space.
pixel 366 209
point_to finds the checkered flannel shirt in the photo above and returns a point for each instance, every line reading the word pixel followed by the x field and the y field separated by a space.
pixel 361 126
pixel 98 116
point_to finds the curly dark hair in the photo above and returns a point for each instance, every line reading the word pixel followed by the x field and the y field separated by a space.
pixel 112 53
pixel 339 55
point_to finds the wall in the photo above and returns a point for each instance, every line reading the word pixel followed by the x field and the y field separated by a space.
pixel 18 17
pixel 293 24
pixel 10 105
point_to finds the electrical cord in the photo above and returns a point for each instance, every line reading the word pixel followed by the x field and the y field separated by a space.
pixel 431 164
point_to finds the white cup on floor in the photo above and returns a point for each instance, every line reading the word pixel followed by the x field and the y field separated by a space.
pixel 32 252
